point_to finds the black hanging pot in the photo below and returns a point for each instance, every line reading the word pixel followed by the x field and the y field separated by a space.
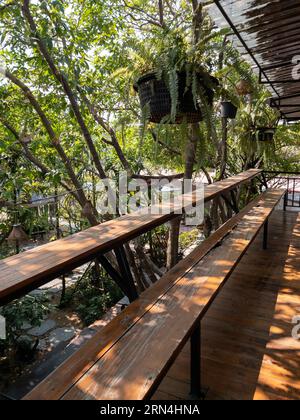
pixel 155 93
pixel 266 134
pixel 228 110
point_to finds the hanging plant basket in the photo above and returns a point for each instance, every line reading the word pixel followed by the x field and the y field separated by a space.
pixel 243 88
pixel 17 234
pixel 265 134
pixel 154 92
pixel 228 110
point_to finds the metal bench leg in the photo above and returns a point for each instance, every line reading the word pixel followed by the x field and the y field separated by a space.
pixel 126 272
pixel 114 274
pixel 123 279
pixel 264 181
pixel 196 391
pixel 285 201
pixel 266 231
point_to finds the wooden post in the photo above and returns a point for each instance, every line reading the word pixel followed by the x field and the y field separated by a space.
pixel 196 363
pixel 266 231
pixel 223 162
pixel 57 227
pixel 285 201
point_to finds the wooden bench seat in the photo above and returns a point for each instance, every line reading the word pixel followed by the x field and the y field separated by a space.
pixel 130 356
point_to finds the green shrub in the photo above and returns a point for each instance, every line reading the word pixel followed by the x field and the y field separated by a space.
pixel 187 239
pixel 29 309
pixel 157 240
pixel 90 300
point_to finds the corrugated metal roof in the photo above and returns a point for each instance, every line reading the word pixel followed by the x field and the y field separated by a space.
pixel 269 30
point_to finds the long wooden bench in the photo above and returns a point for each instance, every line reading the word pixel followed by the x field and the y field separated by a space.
pixel 130 356
pixel 25 272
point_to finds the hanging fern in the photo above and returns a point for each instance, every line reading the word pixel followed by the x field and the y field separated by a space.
pixel 202 149
pixel 208 116
pixel 143 126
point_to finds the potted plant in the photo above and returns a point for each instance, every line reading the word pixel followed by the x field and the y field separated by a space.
pixel 266 134
pixel 183 104
pixel 243 87
pixel 264 120
pixel 228 110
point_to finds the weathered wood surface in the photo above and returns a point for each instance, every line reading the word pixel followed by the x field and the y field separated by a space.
pixel 130 355
pixel 55 385
pixel 247 347
pixel 24 272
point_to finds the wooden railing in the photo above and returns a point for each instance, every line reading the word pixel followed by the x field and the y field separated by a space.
pixel 288 180
pixel 25 272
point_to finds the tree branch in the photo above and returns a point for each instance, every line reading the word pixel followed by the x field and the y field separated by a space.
pixel 61 78
pixel 5 6
pixel 33 159
pixel 151 20
pixel 114 141
pixel 53 138
pixel 174 152
pixel 161 13
pixel 197 19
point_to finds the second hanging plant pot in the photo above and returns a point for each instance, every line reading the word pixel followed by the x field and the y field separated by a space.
pixel 228 110
pixel 155 93
pixel 266 134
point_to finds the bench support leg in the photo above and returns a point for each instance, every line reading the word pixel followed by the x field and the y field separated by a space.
pixel 124 280
pixel 196 391
pixel 285 201
pixel 264 181
pixel 126 272
pixel 231 202
pixel 266 231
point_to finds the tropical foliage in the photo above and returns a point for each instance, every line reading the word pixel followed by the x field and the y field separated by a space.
pixel 69 116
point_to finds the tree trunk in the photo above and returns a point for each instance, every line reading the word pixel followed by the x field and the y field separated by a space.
pixel 173 243
pixel 161 12
pixel 62 79
pixel 223 149
pixel 191 148
pixel 190 156
pixel 144 262
pixel 55 142
pixel 137 275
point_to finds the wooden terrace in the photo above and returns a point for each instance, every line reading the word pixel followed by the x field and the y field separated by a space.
pixel 217 326
pixel 222 323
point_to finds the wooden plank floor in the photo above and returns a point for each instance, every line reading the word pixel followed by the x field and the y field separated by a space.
pixel 247 348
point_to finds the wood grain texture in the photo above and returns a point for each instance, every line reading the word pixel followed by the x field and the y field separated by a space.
pixel 137 361
pixel 28 270
pixel 56 385
pixel 247 349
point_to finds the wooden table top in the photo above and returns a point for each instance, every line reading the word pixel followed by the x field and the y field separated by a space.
pixel 24 272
